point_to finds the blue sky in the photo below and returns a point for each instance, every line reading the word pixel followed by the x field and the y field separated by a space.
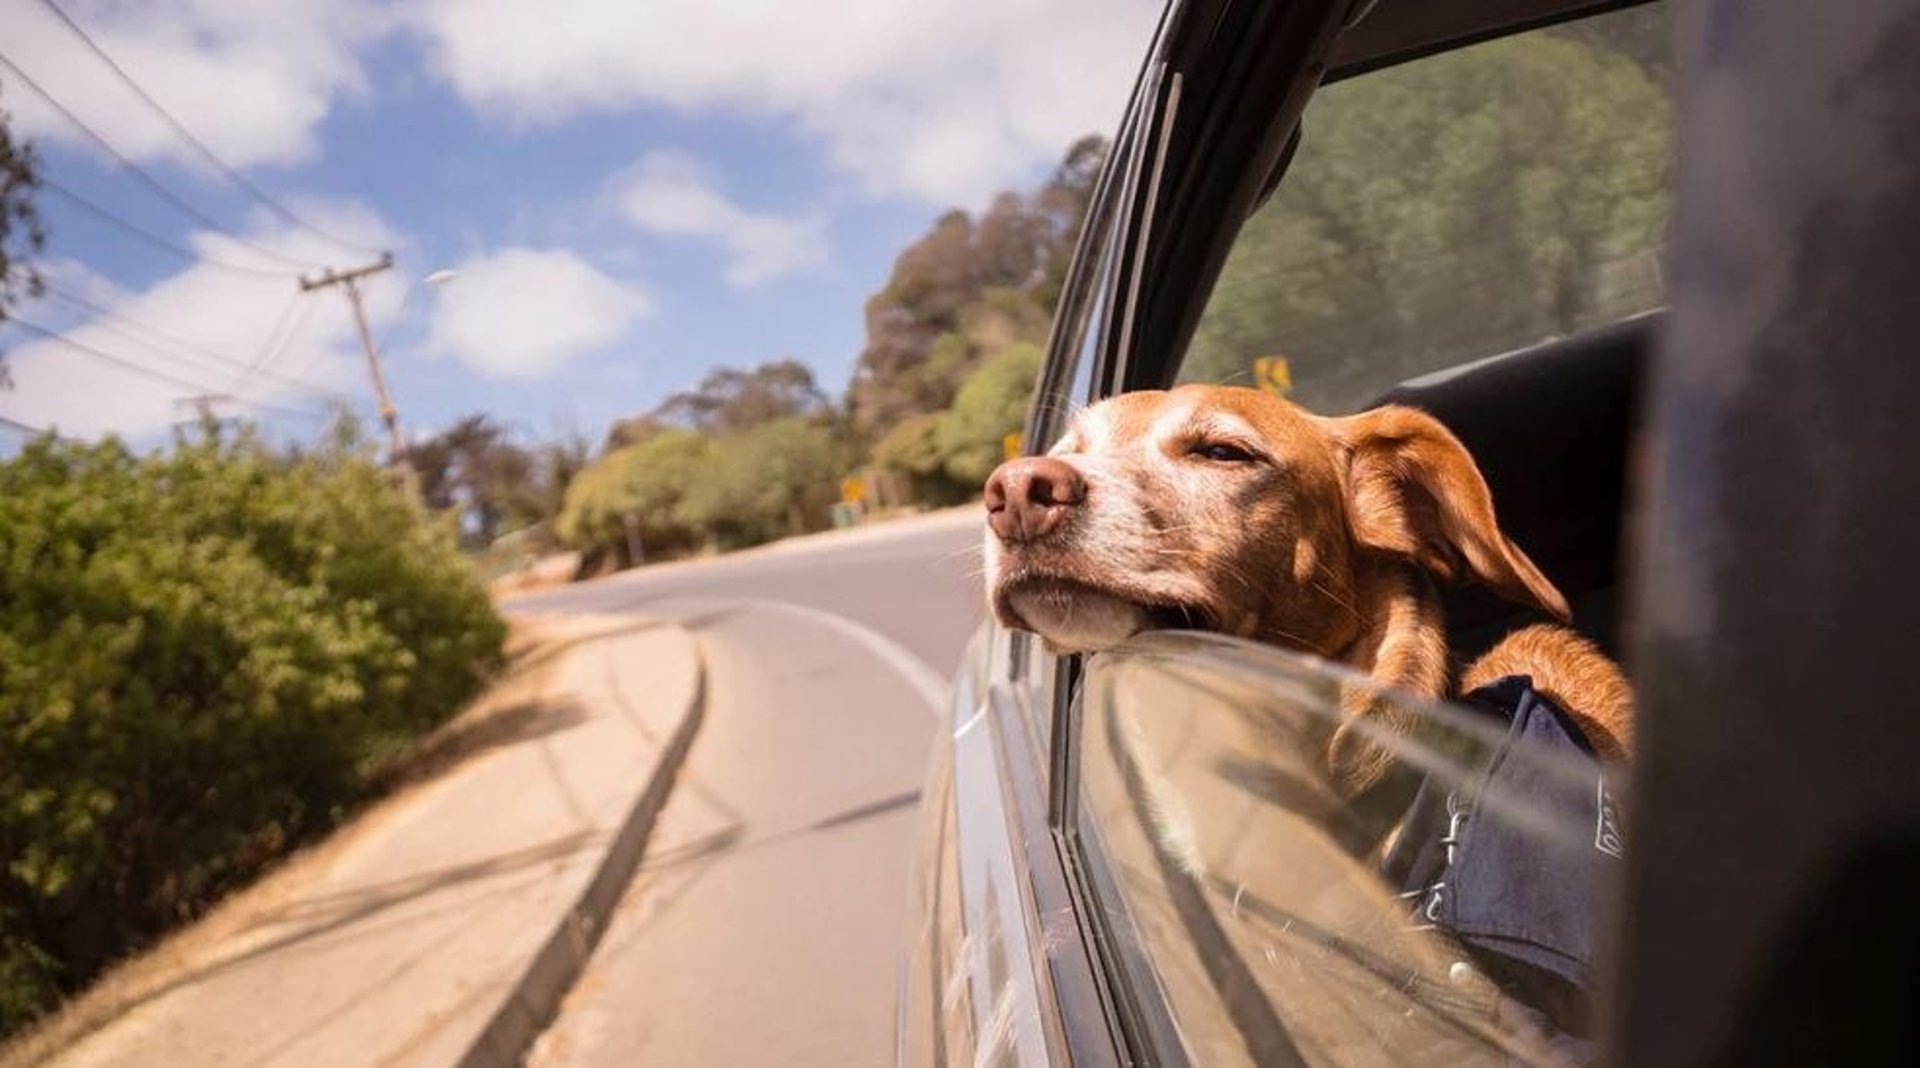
pixel 627 192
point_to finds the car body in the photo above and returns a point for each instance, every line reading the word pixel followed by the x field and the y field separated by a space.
pixel 1125 858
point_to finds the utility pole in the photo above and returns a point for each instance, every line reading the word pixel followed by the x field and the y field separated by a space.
pixel 203 407
pixel 347 280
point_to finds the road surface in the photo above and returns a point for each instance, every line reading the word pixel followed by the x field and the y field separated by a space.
pixel 772 911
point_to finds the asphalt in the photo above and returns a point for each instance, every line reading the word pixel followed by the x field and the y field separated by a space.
pixel 915 581
pixel 772 909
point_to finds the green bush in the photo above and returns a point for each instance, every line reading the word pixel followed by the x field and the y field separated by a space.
pixel 910 449
pixel 991 405
pixel 766 482
pixel 947 455
pixel 205 655
pixel 647 480
pixel 685 487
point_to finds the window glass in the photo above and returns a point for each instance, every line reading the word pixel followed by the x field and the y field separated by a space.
pixel 1083 307
pixel 1446 916
pixel 1453 207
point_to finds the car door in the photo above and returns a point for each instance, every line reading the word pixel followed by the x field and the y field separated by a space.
pixel 1087 889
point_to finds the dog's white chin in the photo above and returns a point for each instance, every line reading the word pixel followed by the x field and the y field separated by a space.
pixel 1078 620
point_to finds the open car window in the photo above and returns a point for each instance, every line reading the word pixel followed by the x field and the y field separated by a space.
pixel 1454 207
pixel 1445 917
pixel 1508 195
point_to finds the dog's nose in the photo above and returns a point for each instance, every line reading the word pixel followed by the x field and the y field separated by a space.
pixel 1029 498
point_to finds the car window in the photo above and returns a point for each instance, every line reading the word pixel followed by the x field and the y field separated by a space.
pixel 1454 207
pixel 1445 917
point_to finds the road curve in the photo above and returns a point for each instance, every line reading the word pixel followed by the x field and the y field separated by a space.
pixel 917 581
pixel 771 913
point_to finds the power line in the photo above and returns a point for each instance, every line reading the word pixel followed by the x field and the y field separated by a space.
pixel 277 343
pixel 152 238
pixel 312 357
pixel 227 364
pixel 159 188
pixel 274 342
pixel 199 146
pixel 24 428
pixel 142 369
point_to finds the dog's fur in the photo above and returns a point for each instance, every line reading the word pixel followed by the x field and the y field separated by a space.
pixel 1236 511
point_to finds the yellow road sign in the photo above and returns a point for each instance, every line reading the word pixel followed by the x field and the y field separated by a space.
pixel 1010 445
pixel 1272 375
pixel 853 489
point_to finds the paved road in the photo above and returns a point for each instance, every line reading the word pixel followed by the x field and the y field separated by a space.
pixel 916 581
pixel 772 910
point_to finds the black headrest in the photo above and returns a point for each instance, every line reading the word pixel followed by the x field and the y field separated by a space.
pixel 1550 427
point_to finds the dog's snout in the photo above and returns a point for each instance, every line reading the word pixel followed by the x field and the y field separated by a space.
pixel 1029 498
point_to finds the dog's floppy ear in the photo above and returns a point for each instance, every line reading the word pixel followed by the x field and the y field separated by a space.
pixel 1413 491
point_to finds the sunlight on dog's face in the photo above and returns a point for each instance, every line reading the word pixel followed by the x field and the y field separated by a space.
pixel 1202 507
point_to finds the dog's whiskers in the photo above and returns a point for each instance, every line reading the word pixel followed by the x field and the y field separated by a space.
pixel 975 549
pixel 1334 597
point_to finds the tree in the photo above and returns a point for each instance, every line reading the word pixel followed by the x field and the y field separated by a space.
pixel 22 234
pixel 647 481
pixel 912 449
pixel 766 482
pixel 1643 34
pixel 970 437
pixel 473 470
pixel 743 457
pixel 727 400
pixel 1010 263
pixel 494 486
pixel 1064 201
pixel 1514 190
pixel 556 464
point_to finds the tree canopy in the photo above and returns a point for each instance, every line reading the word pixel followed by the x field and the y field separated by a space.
pixel 1516 190
pixel 21 231
pixel 966 289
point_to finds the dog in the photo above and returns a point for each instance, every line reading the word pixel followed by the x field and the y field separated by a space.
pixel 1232 510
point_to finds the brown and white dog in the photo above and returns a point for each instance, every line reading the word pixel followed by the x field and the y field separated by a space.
pixel 1231 510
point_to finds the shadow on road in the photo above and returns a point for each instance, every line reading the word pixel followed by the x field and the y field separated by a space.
pixel 733 839
pixel 313 917
pixel 466 739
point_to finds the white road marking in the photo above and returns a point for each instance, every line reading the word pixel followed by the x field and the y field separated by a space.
pixel 931 687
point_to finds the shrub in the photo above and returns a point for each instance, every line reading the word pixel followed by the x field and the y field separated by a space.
pixel 766 482
pixel 205 654
pixel 910 450
pixel 647 480
pixel 991 405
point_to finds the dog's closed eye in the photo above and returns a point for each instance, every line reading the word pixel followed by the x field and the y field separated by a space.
pixel 1222 452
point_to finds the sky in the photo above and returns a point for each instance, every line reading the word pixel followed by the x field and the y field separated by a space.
pixel 612 196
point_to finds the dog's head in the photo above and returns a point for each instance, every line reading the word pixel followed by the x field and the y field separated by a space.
pixel 1227 509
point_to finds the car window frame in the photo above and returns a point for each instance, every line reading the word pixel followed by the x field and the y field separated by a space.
pixel 1086 1026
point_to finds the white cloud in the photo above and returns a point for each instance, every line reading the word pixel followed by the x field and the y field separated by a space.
pixel 670 193
pixel 523 313
pixel 253 80
pixel 946 100
pixel 203 326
